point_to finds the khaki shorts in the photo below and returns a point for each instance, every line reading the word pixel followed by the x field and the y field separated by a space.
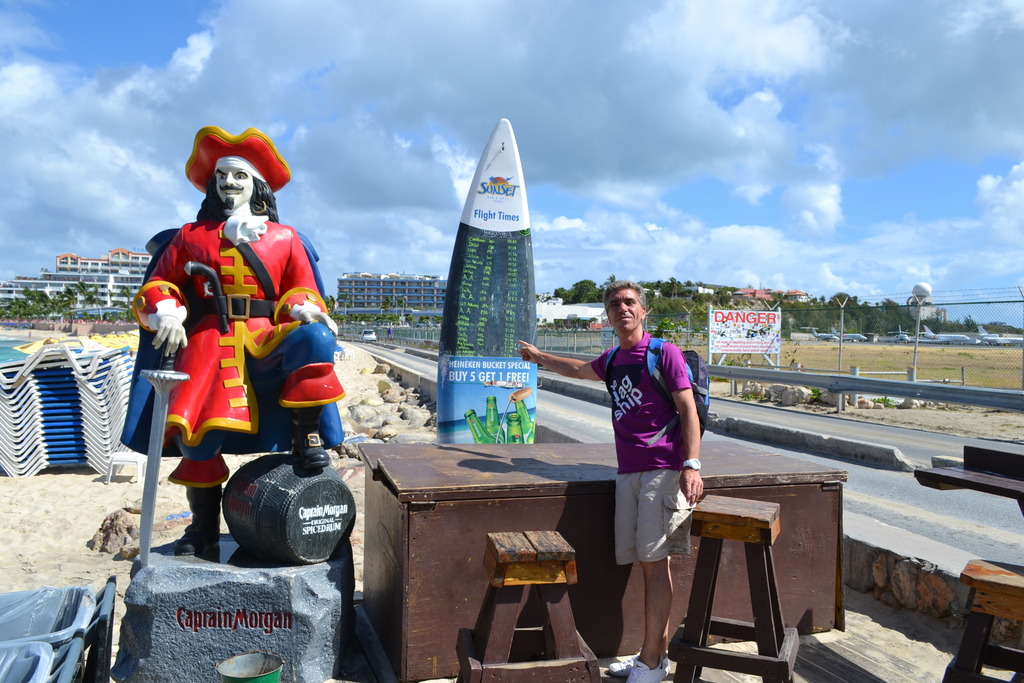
pixel 652 518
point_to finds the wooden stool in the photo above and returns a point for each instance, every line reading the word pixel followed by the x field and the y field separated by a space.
pixel 998 592
pixel 514 562
pixel 756 524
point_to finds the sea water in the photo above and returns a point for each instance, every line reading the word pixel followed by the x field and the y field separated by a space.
pixel 7 352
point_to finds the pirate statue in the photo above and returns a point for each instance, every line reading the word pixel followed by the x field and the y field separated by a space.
pixel 235 300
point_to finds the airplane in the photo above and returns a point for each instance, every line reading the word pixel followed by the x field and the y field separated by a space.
pixel 821 336
pixel 929 337
pixel 849 336
pixel 999 339
pixel 900 336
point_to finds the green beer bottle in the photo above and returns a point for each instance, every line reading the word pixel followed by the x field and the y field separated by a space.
pixel 526 424
pixel 480 433
pixel 491 420
pixel 515 431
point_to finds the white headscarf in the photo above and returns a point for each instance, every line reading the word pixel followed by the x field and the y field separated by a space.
pixel 239 162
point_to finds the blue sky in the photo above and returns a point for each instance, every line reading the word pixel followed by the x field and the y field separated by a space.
pixel 821 145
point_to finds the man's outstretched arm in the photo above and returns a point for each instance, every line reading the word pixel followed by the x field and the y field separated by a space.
pixel 567 367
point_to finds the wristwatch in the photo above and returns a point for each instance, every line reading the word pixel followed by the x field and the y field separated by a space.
pixel 691 464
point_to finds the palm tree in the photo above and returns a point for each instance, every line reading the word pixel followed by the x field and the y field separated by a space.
pixel 40 304
pixel 81 291
pixel 87 294
pixel 64 303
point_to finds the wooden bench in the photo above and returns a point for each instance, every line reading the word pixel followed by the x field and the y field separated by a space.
pixel 755 524
pixel 519 564
pixel 998 473
pixel 998 592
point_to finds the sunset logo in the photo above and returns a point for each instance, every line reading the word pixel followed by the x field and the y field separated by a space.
pixel 498 186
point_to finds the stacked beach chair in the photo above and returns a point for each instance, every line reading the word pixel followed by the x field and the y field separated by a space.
pixel 64 404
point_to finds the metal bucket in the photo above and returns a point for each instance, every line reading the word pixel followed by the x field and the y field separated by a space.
pixel 258 666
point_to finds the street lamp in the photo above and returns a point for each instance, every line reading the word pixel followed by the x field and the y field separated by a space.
pixel 921 293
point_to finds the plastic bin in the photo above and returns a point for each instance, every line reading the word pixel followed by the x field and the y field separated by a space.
pixel 28 662
pixel 48 615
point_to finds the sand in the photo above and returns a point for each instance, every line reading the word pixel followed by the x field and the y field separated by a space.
pixel 51 517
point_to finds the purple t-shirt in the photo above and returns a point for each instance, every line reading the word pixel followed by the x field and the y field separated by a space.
pixel 639 411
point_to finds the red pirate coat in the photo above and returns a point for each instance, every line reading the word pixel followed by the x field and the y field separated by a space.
pixel 219 394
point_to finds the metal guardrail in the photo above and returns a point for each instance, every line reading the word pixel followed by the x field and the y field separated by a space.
pixel 1003 399
pixel 853 384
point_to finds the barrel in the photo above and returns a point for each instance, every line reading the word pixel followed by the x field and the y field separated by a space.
pixel 278 511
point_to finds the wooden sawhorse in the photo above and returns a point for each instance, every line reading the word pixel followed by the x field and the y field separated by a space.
pixel 756 525
pixel 515 562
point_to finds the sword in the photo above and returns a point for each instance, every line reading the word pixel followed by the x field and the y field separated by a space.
pixel 163 380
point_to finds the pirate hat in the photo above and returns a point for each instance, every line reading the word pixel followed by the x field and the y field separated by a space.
pixel 213 143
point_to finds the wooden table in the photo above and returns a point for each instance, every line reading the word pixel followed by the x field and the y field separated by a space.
pixel 428 510
pixel 995 472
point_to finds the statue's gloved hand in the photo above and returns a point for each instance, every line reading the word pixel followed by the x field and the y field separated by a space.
pixel 168 322
pixel 308 313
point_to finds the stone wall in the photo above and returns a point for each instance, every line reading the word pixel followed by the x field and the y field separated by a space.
pixel 914 584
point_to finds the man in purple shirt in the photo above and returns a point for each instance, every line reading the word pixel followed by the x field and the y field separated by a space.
pixel 655 469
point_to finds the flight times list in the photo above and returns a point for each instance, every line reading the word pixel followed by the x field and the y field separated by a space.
pixel 490 302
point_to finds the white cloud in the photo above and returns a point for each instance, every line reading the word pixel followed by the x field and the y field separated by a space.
pixel 24 86
pixel 557 224
pixel 816 208
pixel 1001 200
pixel 764 39
pixel 461 166
pixel 19 31
pixel 190 60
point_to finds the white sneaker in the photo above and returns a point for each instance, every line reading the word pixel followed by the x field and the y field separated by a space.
pixel 637 671
pixel 622 669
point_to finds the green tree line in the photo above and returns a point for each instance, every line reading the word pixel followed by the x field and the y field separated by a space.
pixel 670 298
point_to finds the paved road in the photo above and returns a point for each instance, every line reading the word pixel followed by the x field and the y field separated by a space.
pixel 984 525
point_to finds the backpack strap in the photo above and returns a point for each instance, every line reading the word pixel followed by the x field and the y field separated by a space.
pixel 607 367
pixel 654 370
pixel 654 367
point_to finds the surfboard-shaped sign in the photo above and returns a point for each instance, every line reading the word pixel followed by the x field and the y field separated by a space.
pixel 486 393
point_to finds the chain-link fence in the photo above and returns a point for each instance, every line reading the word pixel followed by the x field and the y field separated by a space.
pixel 978 344
pixel 972 343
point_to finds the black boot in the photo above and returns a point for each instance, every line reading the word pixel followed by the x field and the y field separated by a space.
pixel 204 531
pixel 307 446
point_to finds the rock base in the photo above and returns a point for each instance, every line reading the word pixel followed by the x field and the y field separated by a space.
pixel 187 614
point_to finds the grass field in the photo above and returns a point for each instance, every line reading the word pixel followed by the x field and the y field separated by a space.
pixel 997 367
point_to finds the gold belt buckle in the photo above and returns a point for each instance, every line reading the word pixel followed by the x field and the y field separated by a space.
pixel 231 298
